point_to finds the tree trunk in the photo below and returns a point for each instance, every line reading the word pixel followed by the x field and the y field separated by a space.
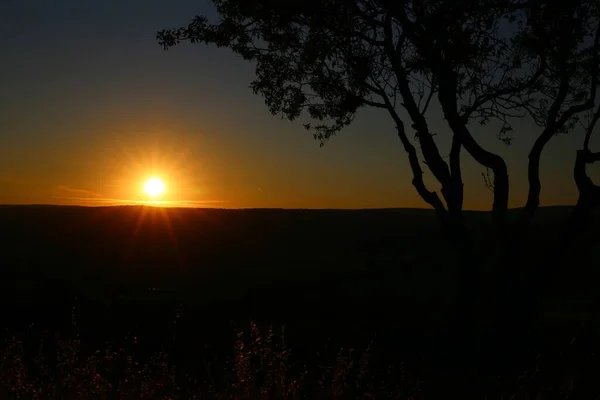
pixel 457 349
pixel 519 304
pixel 579 221
pixel 468 282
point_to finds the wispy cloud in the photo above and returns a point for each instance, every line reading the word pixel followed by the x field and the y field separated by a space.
pixel 78 193
pixel 185 203
pixel 106 201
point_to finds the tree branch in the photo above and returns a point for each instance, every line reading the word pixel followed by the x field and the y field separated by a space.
pixel 590 129
pixel 432 156
pixel 480 101
pixel 456 173
pixel 431 93
pixel 554 124
pixel 430 197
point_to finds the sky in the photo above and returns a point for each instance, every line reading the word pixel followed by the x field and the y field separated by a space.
pixel 91 106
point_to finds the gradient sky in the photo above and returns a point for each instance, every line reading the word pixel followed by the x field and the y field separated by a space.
pixel 90 106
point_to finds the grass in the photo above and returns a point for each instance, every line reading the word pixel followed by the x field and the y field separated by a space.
pixel 259 365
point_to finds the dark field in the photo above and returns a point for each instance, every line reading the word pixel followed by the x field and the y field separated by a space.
pixel 182 280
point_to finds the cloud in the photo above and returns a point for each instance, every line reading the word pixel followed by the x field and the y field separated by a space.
pixel 78 193
pixel 69 194
pixel 106 201
pixel 191 203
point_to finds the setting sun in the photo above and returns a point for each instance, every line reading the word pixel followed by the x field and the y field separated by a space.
pixel 154 187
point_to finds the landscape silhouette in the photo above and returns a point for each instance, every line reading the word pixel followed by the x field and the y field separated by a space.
pixel 144 301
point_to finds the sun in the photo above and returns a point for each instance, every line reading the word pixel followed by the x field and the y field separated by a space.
pixel 154 187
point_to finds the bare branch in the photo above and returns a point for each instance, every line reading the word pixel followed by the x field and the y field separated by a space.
pixel 432 91
pixel 430 197
pixel 590 129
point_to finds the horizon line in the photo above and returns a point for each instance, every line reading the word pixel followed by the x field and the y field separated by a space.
pixel 253 208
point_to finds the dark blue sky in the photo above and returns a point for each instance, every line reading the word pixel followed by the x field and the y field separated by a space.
pixel 90 105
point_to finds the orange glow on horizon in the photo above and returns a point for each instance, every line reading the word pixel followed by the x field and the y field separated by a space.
pixel 153 170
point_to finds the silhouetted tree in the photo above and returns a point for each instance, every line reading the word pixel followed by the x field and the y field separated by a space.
pixel 553 50
pixel 479 60
pixel 589 193
pixel 566 35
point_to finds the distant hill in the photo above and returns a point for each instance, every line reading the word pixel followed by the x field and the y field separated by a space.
pixel 349 264
pixel 67 237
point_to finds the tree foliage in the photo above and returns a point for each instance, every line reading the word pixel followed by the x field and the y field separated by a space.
pixel 330 58
pixel 482 61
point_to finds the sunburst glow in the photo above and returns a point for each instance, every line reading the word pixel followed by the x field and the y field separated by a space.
pixel 154 187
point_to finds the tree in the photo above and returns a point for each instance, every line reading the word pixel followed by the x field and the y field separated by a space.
pixel 480 60
pixel 558 42
pixel 566 36
pixel 589 193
